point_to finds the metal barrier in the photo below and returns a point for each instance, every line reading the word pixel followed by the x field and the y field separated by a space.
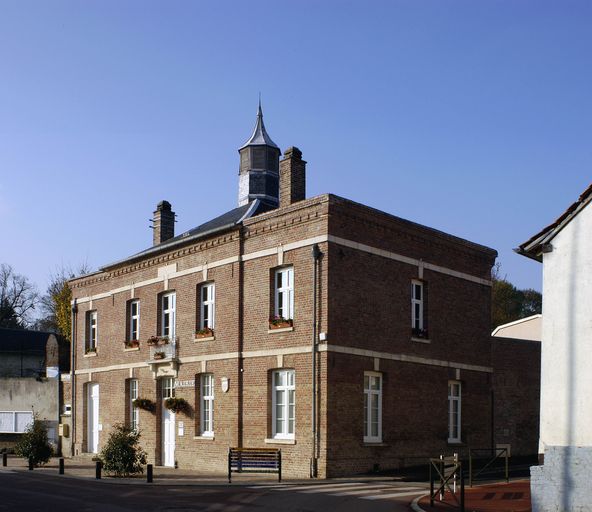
pixel 493 455
pixel 448 471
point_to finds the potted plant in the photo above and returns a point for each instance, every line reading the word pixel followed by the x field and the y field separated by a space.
pixel 132 343
pixel 159 355
pixel 176 405
pixel 163 340
pixel 279 322
pixel 91 350
pixel 206 332
pixel 145 403
pixel 153 340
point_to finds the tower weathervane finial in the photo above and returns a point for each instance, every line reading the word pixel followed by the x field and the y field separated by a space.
pixel 259 111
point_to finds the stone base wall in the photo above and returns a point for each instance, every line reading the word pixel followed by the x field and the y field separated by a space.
pixel 563 483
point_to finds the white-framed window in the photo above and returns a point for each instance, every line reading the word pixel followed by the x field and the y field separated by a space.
pixel 134 411
pixel 417 323
pixel 92 330
pixel 372 407
pixel 134 320
pixel 283 404
pixel 207 306
pixel 206 405
pixel 15 422
pixel 284 292
pixel 454 411
pixel 167 321
pixel 167 387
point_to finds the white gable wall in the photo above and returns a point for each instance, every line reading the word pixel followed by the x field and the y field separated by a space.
pixel 566 370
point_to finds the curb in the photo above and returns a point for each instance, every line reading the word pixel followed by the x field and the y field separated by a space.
pixel 415 504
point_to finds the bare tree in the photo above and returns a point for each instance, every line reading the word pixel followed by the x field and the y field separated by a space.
pixel 18 298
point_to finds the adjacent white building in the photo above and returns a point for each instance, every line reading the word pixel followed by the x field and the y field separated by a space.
pixel 529 328
pixel 562 483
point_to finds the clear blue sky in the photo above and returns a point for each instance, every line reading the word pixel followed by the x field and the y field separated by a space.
pixel 473 117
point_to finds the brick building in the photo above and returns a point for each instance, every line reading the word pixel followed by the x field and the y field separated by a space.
pixel 350 338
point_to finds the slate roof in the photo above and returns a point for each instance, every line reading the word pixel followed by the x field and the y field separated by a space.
pixel 533 247
pixel 223 222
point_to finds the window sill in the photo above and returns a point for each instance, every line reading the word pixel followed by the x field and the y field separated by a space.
pixel 204 438
pixel 282 329
pixel 131 349
pixel 456 443
pixel 91 354
pixel 374 443
pixel 280 441
pixel 420 340
pixel 209 338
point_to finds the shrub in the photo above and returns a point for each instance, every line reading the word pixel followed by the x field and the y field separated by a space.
pixel 122 455
pixel 34 444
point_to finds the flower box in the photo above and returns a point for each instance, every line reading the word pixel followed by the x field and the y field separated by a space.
pixel 419 333
pixel 280 323
pixel 132 343
pixel 158 340
pixel 204 333
pixel 159 355
pixel 91 350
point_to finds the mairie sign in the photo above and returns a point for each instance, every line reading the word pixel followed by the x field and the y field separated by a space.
pixel 184 383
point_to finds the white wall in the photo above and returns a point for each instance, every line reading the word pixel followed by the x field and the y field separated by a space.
pixel 566 370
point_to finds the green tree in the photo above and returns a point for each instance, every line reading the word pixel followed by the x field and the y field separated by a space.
pixel 56 303
pixel 509 303
pixel 122 455
pixel 34 444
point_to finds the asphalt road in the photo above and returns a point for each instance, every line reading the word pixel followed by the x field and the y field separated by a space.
pixel 35 491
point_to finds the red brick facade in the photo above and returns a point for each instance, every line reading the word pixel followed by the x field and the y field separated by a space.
pixel 368 262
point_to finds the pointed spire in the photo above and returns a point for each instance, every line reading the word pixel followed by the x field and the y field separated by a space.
pixel 259 136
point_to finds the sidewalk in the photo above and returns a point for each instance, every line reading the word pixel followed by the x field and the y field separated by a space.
pixel 84 468
pixel 500 497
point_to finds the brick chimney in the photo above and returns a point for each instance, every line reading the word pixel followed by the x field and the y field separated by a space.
pixel 292 177
pixel 163 223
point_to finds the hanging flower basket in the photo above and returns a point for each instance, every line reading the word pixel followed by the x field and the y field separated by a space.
pixel 204 333
pixel 145 403
pixel 177 405
pixel 278 322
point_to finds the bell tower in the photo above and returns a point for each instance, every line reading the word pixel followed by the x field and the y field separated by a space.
pixel 259 167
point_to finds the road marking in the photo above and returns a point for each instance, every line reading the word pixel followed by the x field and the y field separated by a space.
pixel 373 488
pixel 343 488
pixel 393 495
pixel 320 487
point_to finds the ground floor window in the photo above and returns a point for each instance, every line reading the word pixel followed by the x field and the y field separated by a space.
pixel 283 404
pixel 372 407
pixel 15 421
pixel 134 411
pixel 454 407
pixel 207 405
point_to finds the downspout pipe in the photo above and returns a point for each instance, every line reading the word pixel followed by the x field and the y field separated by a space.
pixel 316 256
pixel 72 375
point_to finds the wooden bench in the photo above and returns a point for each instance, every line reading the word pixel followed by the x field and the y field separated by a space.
pixel 254 460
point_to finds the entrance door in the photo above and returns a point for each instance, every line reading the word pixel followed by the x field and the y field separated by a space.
pixel 93 418
pixel 168 425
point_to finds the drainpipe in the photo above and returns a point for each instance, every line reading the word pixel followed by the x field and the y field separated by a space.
pixel 316 255
pixel 72 375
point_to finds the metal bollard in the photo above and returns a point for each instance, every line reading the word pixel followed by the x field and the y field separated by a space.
pixel 5 459
pixel 61 461
pixel 30 464
pixel 149 474
pixel 98 470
